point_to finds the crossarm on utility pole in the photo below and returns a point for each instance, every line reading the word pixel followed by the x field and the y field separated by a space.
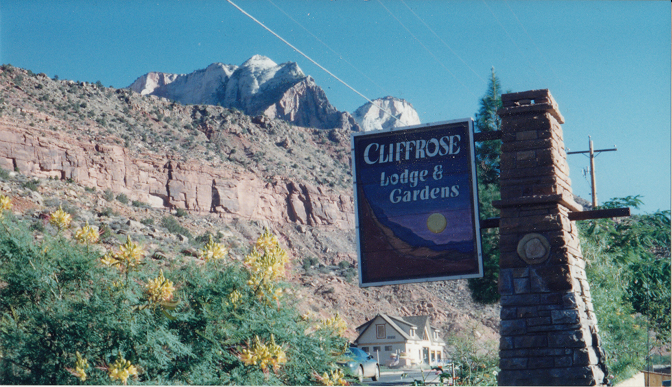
pixel 592 154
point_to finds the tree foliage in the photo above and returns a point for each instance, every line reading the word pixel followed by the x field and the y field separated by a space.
pixel 487 120
pixel 484 289
pixel 476 362
pixel 67 318
pixel 628 268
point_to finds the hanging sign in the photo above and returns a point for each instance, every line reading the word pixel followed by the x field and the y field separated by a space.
pixel 416 204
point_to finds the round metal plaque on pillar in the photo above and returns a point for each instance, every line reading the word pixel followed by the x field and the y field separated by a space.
pixel 534 248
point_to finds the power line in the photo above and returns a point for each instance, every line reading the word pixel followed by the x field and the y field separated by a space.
pixel 327 46
pixel 427 49
pixel 310 59
pixel 444 43
pixel 522 54
pixel 531 40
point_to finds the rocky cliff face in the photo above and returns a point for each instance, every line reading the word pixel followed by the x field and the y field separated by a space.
pixel 370 117
pixel 162 182
pixel 306 104
pixel 258 86
pixel 199 87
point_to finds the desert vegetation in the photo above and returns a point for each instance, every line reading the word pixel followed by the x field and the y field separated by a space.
pixel 72 314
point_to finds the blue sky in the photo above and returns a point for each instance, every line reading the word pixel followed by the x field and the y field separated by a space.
pixel 607 63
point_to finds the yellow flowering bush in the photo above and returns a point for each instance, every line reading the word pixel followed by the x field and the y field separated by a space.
pixel 266 241
pixel 266 265
pixel 234 297
pixel 131 251
pixel 333 378
pixel 60 219
pixel 336 323
pixel 250 343
pixel 159 289
pixel 80 368
pixel 128 257
pixel 110 259
pixel 212 250
pixel 307 316
pixel 264 355
pixel 87 235
pixel 122 369
pixel 5 203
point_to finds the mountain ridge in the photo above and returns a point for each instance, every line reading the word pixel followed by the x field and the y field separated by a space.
pixel 282 91
pixel 258 86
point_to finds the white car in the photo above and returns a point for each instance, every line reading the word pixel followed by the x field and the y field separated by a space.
pixel 361 364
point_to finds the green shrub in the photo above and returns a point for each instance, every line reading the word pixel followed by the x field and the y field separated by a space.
pixel 147 222
pixel 174 227
pixel 181 213
pixel 90 189
pixel 308 262
pixel 108 195
pixel 350 274
pixel 344 265
pixel 205 237
pixel 139 204
pixel 4 175
pixel 122 198
pixel 38 225
pixel 629 274
pixel 107 211
pixel 105 232
pixel 31 184
pixel 476 362
pixel 61 306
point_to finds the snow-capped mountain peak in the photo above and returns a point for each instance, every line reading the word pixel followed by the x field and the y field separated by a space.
pixel 370 117
pixel 258 86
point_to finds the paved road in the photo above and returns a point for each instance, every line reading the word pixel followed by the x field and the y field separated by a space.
pixel 394 378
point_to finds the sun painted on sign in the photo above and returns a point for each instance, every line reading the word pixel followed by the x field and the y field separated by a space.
pixel 416 204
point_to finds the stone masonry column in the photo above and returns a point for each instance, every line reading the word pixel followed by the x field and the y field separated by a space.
pixel 548 330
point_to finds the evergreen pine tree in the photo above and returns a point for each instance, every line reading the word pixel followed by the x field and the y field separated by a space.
pixel 487 157
pixel 487 120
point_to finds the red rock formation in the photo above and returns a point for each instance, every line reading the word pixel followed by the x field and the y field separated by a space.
pixel 160 181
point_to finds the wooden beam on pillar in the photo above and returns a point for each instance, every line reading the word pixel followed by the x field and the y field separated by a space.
pixel 486 136
pixel 600 214
pixel 489 223
pixel 574 215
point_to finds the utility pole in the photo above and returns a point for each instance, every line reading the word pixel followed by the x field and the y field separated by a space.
pixel 592 154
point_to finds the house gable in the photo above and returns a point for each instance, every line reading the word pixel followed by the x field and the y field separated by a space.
pixel 405 326
pixel 381 329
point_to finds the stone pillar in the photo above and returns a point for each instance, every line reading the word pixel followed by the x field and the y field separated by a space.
pixel 548 330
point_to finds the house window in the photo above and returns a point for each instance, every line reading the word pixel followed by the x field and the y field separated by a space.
pixel 376 349
pixel 380 331
pixel 388 348
pixel 365 349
